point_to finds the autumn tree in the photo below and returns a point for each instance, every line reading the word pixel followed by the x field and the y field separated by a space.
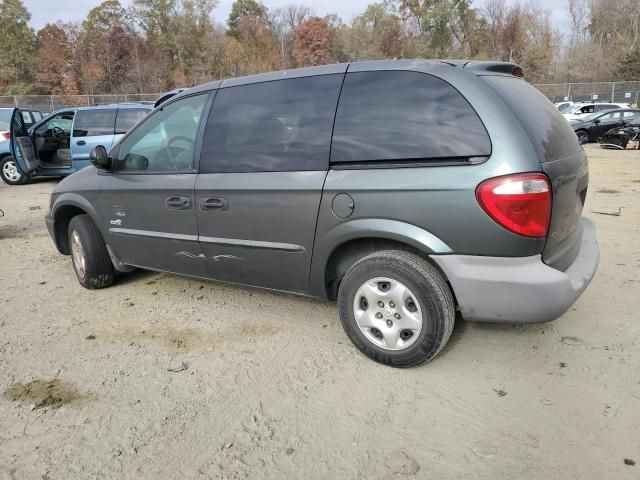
pixel 312 43
pixel 53 63
pixel 283 23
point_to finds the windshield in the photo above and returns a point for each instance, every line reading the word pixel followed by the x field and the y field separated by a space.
pixel 5 119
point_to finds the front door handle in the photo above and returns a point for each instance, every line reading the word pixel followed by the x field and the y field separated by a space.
pixel 178 203
pixel 81 142
pixel 211 203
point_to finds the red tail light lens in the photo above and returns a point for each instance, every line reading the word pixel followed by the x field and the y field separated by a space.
pixel 520 203
pixel 5 135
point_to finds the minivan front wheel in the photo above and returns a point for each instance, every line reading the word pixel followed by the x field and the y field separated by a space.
pixel 91 260
pixel 396 308
pixel 10 173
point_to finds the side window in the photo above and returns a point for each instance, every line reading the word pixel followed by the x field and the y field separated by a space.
pixel 587 109
pixel 629 115
pixel 127 118
pixel 398 115
pixel 26 118
pixel 166 140
pixel 91 123
pixel 37 116
pixel 607 117
pixel 282 125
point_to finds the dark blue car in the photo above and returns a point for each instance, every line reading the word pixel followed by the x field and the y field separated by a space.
pixel 59 144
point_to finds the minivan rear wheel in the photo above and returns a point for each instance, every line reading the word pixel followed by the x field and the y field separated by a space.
pixel 91 260
pixel 396 308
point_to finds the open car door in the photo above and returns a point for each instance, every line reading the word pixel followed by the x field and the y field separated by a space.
pixel 22 147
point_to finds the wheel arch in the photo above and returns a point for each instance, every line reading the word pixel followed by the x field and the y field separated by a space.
pixel 65 208
pixel 348 242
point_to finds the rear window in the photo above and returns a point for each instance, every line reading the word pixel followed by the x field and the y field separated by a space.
pixel 128 118
pixel 398 115
pixel 90 123
pixel 551 134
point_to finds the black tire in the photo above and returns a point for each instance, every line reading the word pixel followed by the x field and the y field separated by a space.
pixel 98 270
pixel 583 136
pixel 21 180
pixel 431 291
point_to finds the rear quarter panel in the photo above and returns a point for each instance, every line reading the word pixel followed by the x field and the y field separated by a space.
pixel 438 199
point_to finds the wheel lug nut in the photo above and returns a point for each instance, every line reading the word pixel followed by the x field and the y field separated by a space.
pixel 381 304
pixel 392 305
pixel 397 315
pixel 378 315
pixel 389 323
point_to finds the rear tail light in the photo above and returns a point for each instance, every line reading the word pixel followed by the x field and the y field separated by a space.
pixel 5 135
pixel 521 203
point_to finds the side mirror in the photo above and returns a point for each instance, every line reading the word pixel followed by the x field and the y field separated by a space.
pixel 596 122
pixel 99 158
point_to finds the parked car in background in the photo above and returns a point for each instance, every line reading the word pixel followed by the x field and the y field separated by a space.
pixel 59 144
pixel 8 170
pixel 581 110
pixel 29 117
pixel 406 190
pixel 565 107
pixel 167 95
pixel 591 127
pixel 621 138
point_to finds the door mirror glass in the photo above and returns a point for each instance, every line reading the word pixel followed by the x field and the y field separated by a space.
pixel 99 158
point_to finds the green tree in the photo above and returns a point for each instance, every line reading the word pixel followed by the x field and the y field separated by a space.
pixel 19 43
pixel 240 10
pixel 440 25
pixel 105 17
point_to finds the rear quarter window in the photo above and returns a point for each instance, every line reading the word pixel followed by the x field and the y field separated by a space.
pixel 401 115
pixel 551 134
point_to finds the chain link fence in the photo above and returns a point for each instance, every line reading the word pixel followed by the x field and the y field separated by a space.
pixel 49 103
pixel 618 92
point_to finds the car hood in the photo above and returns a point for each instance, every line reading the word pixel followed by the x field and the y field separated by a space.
pixel 84 179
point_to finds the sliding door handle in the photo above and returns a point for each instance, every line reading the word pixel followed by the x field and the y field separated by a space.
pixel 211 203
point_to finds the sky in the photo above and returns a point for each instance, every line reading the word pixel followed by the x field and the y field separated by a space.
pixel 76 10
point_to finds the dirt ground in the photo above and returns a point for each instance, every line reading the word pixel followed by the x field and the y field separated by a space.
pixel 162 377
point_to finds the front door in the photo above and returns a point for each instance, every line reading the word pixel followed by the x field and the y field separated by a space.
pixel 52 140
pixel 605 123
pixel 148 198
pixel 91 127
pixel 265 155
pixel 22 147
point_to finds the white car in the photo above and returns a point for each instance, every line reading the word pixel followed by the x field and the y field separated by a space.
pixel 581 110
pixel 565 107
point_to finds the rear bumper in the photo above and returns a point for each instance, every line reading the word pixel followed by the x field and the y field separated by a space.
pixel 519 290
